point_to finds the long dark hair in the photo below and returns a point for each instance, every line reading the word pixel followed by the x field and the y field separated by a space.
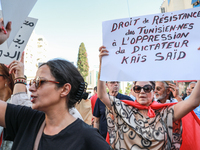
pixel 65 72
pixel 8 77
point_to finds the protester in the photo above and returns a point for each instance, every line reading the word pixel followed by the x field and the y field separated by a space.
pixel 100 121
pixel 187 93
pixel 191 87
pixel 146 124
pixel 165 91
pixel 85 109
pixel 57 87
pixel 190 90
pixel 6 90
pixel 20 95
pixel 93 101
pixel 132 93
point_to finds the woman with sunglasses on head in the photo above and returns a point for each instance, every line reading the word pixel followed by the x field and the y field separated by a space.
pixel 57 87
pixel 20 95
pixel 144 123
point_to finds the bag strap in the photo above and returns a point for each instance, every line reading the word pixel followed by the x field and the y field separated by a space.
pixel 39 135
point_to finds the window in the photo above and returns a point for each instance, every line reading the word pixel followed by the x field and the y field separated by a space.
pixel 162 9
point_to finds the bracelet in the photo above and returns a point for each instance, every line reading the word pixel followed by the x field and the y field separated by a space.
pixel 20 78
pixel 20 81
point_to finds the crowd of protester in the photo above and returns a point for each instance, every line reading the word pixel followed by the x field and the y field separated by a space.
pixel 59 114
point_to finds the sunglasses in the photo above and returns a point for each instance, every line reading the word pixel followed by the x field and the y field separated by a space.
pixel 1 75
pixel 147 88
pixel 39 82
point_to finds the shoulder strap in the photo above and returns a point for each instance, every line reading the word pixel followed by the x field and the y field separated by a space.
pixel 39 135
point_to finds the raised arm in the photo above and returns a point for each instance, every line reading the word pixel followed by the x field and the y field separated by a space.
pixel 17 68
pixel 20 96
pixel 184 107
pixel 102 93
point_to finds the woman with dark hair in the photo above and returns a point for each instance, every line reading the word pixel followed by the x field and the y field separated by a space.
pixel 146 124
pixel 6 90
pixel 6 83
pixel 48 125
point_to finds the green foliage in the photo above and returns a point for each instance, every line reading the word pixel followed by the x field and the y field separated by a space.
pixel 128 88
pixel 82 61
pixel 120 90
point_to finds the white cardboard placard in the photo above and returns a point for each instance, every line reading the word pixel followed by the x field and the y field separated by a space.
pixel 154 47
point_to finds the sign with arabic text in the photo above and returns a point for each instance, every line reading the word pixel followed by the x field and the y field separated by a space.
pixel 7 55
pixel 154 47
pixel 16 11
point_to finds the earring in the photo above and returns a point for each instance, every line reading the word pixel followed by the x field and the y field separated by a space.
pixel 5 84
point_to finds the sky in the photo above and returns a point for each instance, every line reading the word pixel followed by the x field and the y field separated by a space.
pixel 67 23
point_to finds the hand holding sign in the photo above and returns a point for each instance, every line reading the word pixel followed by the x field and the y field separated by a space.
pixel 4 33
pixel 103 52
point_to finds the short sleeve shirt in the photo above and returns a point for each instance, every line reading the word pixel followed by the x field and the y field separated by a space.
pixel 23 124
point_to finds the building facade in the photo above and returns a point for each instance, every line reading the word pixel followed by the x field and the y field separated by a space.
pixel 35 53
pixel 174 5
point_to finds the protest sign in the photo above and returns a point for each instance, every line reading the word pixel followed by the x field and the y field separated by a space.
pixel 7 55
pixel 154 47
pixel 16 11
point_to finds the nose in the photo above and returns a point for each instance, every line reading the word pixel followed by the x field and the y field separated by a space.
pixel 32 87
pixel 142 91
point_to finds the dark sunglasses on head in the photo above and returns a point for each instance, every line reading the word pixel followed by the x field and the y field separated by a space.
pixel 39 82
pixel 147 88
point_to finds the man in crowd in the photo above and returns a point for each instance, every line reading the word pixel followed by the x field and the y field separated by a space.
pixel 191 87
pixel 93 101
pixel 100 121
pixel 165 91
pixel 132 93
pixel 187 93
pixel 94 98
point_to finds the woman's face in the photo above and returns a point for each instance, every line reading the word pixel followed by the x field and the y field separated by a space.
pixel 143 97
pixel 47 95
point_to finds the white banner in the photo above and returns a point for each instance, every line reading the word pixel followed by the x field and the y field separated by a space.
pixel 154 47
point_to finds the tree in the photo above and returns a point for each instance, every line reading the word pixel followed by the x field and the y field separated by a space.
pixel 82 61
pixel 128 88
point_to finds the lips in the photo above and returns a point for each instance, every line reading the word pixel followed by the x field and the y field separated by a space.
pixel 33 98
pixel 142 96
